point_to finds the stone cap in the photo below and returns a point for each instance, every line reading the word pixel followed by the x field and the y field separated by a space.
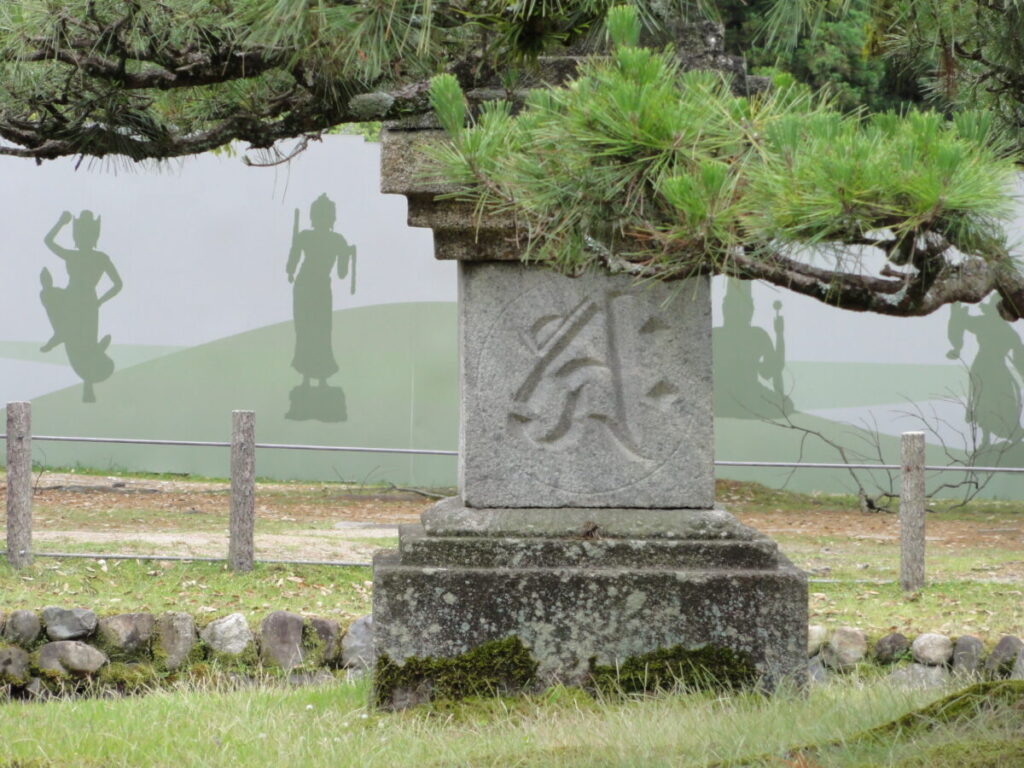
pixel 460 232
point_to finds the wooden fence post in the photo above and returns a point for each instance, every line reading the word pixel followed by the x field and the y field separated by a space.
pixel 912 499
pixel 19 484
pixel 243 490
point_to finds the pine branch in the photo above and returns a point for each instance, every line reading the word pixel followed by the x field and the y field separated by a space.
pixel 297 115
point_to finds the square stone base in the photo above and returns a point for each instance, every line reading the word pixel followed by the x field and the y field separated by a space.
pixel 577 601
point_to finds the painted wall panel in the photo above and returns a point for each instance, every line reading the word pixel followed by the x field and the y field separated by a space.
pixel 205 322
pixel 206 319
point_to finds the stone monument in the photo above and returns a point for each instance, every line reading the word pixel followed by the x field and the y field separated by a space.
pixel 585 537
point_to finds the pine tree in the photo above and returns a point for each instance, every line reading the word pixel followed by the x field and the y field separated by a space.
pixel 153 79
pixel 636 166
pixel 640 167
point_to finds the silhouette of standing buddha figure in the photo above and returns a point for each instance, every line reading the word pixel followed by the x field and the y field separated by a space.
pixel 744 356
pixel 315 255
pixel 73 311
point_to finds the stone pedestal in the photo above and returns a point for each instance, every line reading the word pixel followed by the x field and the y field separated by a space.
pixel 585 529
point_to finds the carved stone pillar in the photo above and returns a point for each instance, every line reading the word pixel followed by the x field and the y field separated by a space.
pixel 585 528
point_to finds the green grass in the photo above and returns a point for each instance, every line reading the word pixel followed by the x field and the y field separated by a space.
pixel 561 728
pixel 204 589
pixel 332 726
pixel 955 608
pixel 740 496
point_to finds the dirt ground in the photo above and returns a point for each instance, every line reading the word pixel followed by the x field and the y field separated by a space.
pixel 186 518
pixel 331 522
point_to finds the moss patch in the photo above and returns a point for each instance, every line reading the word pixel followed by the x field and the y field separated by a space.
pixel 974 703
pixel 676 667
pixel 970 753
pixel 196 654
pixel 492 669
pixel 959 706
pixel 128 678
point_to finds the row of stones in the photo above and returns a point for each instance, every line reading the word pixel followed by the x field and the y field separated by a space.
pixel 935 658
pixel 74 642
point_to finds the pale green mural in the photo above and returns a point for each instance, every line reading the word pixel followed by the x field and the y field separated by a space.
pixel 316 254
pixel 748 362
pixel 409 399
pixel 73 311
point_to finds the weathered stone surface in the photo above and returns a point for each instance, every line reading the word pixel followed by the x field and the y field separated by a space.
pixel 932 648
pixel 591 549
pixel 566 616
pixel 127 635
pixel 314 677
pixel 14 666
pixel 230 635
pixel 845 649
pixel 36 690
pixel 174 636
pixel 329 634
pixel 404 164
pixel 70 657
pixel 967 654
pixel 891 648
pixel 817 636
pixel 22 628
pixel 1017 670
pixel 920 676
pixel 451 517
pixel 816 671
pixel 68 623
pixel 281 640
pixel 584 392
pixel 1000 662
pixel 358 649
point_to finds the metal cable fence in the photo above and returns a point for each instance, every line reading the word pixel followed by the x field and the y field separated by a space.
pixel 242 489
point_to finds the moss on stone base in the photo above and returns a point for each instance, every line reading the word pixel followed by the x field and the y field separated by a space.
pixel 128 678
pixel 668 668
pixel 970 753
pixel 492 669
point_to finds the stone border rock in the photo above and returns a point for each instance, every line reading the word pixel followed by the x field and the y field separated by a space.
pixel 72 651
pixel 930 660
pixel 61 652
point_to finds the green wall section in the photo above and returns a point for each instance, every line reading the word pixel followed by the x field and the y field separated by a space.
pixel 852 385
pixel 754 440
pixel 397 386
pixel 123 355
pixel 398 373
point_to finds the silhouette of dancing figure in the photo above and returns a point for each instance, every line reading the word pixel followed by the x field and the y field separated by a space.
pixel 993 398
pixel 74 310
pixel 315 252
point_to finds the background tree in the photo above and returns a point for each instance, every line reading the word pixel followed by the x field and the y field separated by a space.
pixel 960 54
pixel 641 167
pixel 645 169
pixel 166 78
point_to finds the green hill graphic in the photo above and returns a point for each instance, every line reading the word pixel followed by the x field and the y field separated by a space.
pixel 397 370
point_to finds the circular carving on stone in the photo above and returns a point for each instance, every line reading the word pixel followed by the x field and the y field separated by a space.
pixel 587 383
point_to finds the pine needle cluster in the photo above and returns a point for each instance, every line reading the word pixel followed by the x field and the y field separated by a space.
pixel 638 166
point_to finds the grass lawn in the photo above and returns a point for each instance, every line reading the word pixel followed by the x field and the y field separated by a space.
pixel 975 567
pixel 331 726
pixel 203 589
